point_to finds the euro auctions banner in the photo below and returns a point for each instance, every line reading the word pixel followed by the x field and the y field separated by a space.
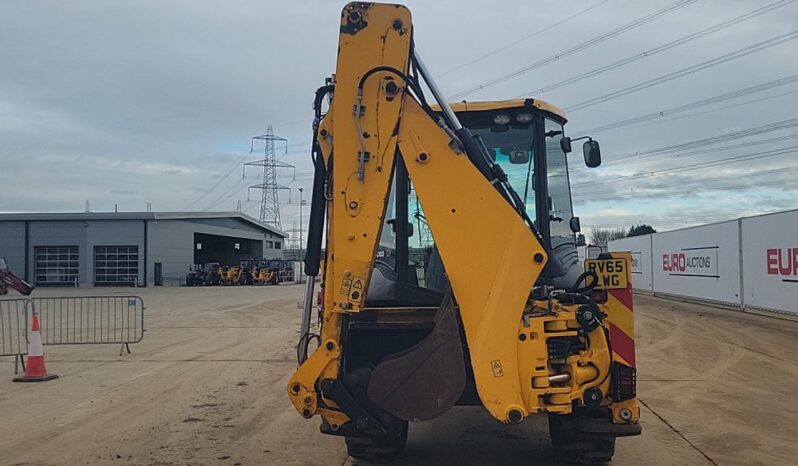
pixel 639 248
pixel 701 262
pixel 770 258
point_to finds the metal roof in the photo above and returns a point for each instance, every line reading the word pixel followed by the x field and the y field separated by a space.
pixel 477 106
pixel 138 216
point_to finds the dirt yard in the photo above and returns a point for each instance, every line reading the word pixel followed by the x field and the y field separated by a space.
pixel 207 386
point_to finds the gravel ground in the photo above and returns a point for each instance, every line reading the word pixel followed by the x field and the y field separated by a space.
pixel 207 386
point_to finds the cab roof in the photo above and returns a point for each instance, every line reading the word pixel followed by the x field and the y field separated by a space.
pixel 477 106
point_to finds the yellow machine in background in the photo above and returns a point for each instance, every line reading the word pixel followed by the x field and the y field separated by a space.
pixel 262 274
pixel 490 307
pixel 227 275
pixel 237 274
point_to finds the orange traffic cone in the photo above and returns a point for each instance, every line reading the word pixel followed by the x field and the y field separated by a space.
pixel 34 369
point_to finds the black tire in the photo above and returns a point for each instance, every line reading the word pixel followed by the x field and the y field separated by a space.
pixel 573 446
pixel 381 449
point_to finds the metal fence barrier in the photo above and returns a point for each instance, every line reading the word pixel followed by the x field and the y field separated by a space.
pixel 285 276
pixel 14 330
pixel 74 320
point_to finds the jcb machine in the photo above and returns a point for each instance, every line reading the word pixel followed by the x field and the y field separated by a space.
pixel 499 312
pixel 262 274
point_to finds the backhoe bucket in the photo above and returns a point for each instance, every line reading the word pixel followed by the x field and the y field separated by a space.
pixel 426 380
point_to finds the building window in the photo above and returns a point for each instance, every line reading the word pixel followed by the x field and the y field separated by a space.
pixel 116 264
pixel 270 244
pixel 278 245
pixel 56 264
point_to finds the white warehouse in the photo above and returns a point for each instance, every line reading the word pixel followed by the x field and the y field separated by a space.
pixel 132 248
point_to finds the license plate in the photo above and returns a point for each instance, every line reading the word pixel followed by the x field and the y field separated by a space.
pixel 611 272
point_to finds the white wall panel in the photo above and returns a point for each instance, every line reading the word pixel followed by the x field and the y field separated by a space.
pixel 640 249
pixel 701 262
pixel 770 258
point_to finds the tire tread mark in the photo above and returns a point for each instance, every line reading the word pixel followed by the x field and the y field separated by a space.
pixel 677 432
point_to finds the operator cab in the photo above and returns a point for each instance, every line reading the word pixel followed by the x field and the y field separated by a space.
pixel 526 138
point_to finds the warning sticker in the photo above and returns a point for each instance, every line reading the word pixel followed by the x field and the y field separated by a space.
pixel 346 285
pixel 356 293
pixel 497 368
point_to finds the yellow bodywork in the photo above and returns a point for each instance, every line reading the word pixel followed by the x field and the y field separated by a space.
pixel 263 276
pixel 228 275
pixel 453 209
pixel 466 106
pixel 506 331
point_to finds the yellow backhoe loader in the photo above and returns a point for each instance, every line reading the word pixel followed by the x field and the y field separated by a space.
pixel 263 274
pixel 450 271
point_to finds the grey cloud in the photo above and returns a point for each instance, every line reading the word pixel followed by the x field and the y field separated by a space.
pixel 134 102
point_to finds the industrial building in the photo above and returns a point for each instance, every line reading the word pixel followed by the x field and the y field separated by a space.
pixel 131 248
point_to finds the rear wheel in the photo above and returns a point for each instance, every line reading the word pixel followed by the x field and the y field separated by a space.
pixel 378 449
pixel 573 446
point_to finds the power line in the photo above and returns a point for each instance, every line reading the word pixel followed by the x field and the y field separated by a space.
pixel 577 48
pixel 675 43
pixel 758 142
pixel 525 38
pixel 686 71
pixel 215 185
pixel 221 196
pixel 232 191
pixel 657 191
pixel 767 128
pixel 687 220
pixel 693 105
pixel 705 180
pixel 695 166
pixel 706 112
pixel 791 185
pixel 698 219
pixel 675 110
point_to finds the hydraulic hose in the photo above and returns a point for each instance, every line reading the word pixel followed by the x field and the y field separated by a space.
pixel 317 202
pixel 318 205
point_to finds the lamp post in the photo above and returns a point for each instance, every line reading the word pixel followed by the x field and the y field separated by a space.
pixel 301 244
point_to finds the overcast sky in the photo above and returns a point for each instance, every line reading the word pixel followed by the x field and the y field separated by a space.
pixel 134 102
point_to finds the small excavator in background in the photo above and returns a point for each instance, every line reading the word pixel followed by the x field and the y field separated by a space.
pixel 264 273
pixel 9 280
pixel 482 301
pixel 240 274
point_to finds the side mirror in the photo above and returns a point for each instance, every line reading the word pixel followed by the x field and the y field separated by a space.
pixel 565 145
pixel 575 224
pixel 593 252
pixel 392 223
pixel 519 156
pixel 592 153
